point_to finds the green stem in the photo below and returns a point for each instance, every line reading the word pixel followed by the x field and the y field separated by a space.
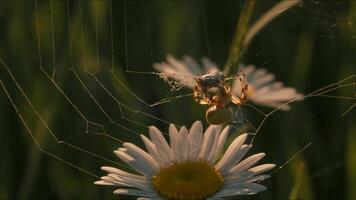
pixel 240 32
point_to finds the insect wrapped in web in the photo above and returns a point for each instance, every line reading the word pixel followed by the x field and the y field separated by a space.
pixel 214 89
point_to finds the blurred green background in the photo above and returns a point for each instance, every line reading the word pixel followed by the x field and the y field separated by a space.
pixel 307 47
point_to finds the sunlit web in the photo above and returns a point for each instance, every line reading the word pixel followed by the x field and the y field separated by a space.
pixel 91 83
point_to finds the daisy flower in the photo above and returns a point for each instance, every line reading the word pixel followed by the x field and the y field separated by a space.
pixel 263 89
pixel 191 166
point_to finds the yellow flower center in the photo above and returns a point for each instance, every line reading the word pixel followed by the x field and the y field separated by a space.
pixel 188 181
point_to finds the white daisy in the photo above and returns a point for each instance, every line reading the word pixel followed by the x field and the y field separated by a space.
pixel 264 90
pixel 191 166
pixel 262 87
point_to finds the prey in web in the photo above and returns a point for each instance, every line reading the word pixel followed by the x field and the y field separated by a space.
pixel 213 89
pixel 226 95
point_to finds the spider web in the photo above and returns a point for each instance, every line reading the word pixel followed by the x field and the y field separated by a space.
pixel 88 104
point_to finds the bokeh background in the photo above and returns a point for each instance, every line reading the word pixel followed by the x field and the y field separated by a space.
pixel 307 47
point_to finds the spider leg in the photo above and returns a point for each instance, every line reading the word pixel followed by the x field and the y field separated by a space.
pixel 236 100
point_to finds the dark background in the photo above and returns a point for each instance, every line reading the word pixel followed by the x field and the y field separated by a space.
pixel 307 47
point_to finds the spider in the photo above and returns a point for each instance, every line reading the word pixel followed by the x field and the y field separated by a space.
pixel 214 89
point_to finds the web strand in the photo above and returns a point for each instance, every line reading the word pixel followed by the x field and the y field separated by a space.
pixel 53 42
pixel 205 28
pixel 35 140
pixel 322 92
pixel 82 33
pixel 319 92
pixel 38 34
pixel 70 35
pixel 58 141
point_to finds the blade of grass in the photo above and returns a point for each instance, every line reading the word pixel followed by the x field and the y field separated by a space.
pixel 240 32
pixel 244 35
pixel 266 18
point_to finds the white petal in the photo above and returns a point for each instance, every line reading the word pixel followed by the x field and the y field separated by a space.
pixel 112 170
pixel 137 165
pixel 230 152
pixel 221 143
pixel 160 142
pixel 173 137
pixel 134 192
pixel 179 66
pixel 214 145
pixel 248 70
pixel 247 163
pixel 192 65
pixel 252 179
pixel 141 156
pixel 151 148
pixel 240 189
pixel 195 140
pixel 143 185
pixel 235 158
pixel 283 94
pixel 130 181
pixel 258 73
pixel 183 145
pixel 122 149
pixel 250 186
pixel 265 91
pixel 167 71
pixel 114 181
pixel 262 168
pixel 208 141
pixel 103 183
pixel 209 66
pixel 263 80
pixel 275 85
pixel 164 68
pixel 250 172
